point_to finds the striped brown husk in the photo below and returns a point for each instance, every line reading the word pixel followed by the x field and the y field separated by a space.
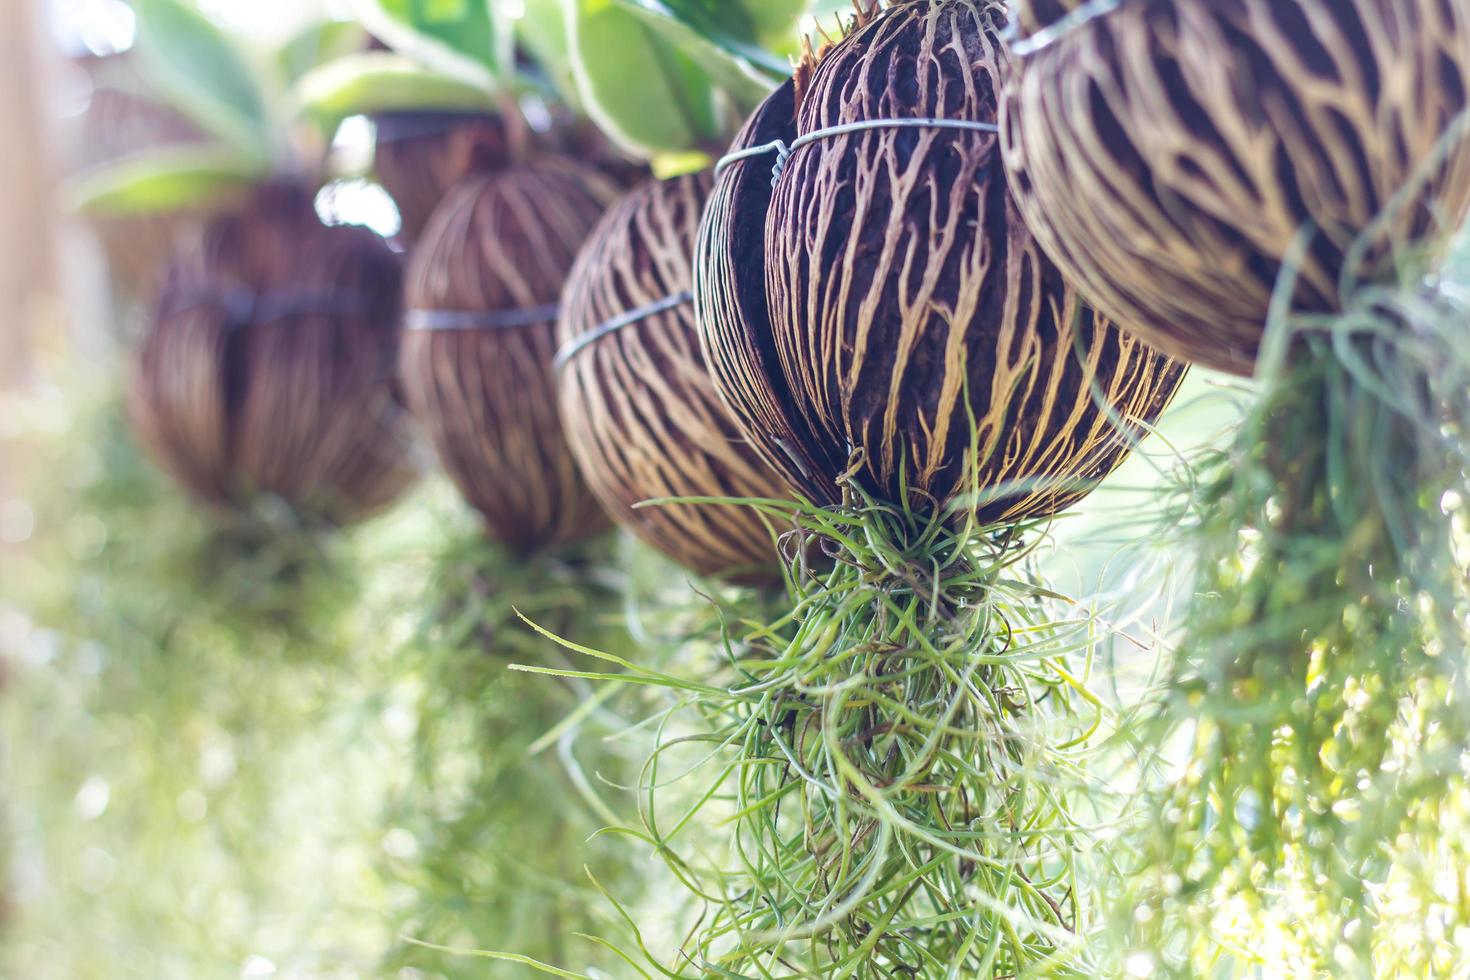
pixel 1030 16
pixel 486 396
pixel 730 303
pixel 420 156
pixel 640 407
pixel 1181 158
pixel 295 398
pixel 907 299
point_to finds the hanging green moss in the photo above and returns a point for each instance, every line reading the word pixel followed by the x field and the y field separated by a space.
pixel 1319 694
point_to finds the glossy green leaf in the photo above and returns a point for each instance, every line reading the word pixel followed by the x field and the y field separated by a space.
pixel 164 180
pixel 740 67
pixel 316 45
pixel 379 81
pixel 760 31
pixel 467 40
pixel 641 90
pixel 542 31
pixel 198 68
pixel 775 24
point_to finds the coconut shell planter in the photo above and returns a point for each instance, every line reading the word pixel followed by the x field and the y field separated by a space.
pixel 482 290
pixel 641 411
pixel 1185 161
pixel 268 366
pixel 1260 187
pixel 883 312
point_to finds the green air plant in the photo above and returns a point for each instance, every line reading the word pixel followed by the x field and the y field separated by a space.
pixel 511 776
pixel 1321 678
pixel 1282 226
pixel 235 748
pixel 895 762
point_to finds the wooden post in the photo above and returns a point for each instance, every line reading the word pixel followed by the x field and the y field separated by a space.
pixel 28 297
pixel 27 268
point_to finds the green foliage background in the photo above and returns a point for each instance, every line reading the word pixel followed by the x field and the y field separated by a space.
pixel 231 751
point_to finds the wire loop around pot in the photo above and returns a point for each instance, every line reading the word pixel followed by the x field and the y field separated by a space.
pixel 1075 19
pixel 783 150
pixel 244 307
pixel 434 320
pixel 576 346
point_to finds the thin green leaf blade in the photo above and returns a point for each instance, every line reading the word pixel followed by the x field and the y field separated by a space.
pixel 203 73
pixel 166 180
pixel 378 81
pixel 542 30
pixel 316 45
pixel 642 91
pixel 467 40
pixel 740 67
pixel 761 32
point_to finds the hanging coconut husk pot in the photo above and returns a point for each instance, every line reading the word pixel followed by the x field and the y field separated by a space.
pixel 891 319
pixel 268 367
pixel 1188 163
pixel 421 155
pixel 641 411
pixel 730 306
pixel 482 293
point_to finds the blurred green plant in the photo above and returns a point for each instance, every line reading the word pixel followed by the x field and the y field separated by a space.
pixel 166 726
pixel 251 747
pixel 511 774
pixel 234 92
pixel 1320 687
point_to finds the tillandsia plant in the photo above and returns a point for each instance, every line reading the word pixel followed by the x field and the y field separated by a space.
pixel 1324 667
pixel 176 712
pixel 512 775
pixel 1283 226
pixel 896 759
